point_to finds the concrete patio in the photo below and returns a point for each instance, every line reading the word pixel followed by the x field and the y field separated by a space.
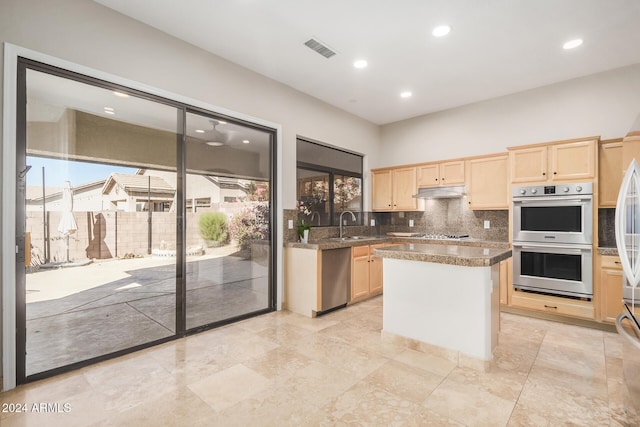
pixel 74 314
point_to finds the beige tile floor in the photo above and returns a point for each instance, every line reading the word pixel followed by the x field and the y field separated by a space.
pixel 284 369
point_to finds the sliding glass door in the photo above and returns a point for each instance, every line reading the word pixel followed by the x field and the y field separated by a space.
pixel 141 221
pixel 227 216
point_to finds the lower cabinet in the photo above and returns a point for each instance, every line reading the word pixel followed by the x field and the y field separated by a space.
pixel 610 288
pixel 366 271
pixel 506 281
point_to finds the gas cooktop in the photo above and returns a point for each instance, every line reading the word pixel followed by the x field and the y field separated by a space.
pixel 441 236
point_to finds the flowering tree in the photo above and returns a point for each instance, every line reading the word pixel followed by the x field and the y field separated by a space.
pixel 345 189
pixel 252 223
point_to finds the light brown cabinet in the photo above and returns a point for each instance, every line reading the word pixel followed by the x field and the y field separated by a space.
pixel 630 149
pixel 393 189
pixel 442 173
pixel 610 288
pixel 556 162
pixel 609 172
pixel 488 182
pixel 506 281
pixel 366 271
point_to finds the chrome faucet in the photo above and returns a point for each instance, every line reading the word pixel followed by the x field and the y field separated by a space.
pixel 313 214
pixel 352 217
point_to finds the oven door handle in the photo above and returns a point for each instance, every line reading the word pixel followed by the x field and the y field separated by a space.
pixel 555 247
pixel 569 199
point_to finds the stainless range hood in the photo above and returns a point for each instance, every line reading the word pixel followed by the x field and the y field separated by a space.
pixel 443 192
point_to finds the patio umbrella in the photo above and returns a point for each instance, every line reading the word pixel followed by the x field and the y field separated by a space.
pixel 67 225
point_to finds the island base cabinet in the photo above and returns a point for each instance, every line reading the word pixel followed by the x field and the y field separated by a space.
pixel 452 307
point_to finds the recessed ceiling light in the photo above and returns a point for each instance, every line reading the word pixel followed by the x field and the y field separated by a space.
pixel 441 30
pixel 108 109
pixel 571 44
pixel 360 63
pixel 215 143
pixel 199 131
pixel 245 141
pixel 406 94
pixel 120 94
pixel 221 122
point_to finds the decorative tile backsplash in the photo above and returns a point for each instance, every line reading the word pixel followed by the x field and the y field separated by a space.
pixel 440 216
pixel 607 227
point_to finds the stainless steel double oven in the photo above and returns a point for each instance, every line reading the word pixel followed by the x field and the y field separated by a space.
pixel 553 238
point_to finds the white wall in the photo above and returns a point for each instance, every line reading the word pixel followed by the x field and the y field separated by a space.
pixel 603 104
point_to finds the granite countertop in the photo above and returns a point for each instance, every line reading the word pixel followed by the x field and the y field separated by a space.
pixel 608 250
pixel 452 253
pixel 323 244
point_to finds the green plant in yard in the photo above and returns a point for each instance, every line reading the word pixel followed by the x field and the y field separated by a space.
pixel 213 227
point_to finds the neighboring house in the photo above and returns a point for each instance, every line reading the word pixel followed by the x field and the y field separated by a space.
pixel 86 197
pixel 203 191
pixel 133 193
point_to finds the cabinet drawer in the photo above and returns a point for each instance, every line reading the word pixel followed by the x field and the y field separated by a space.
pixel 610 261
pixel 553 305
pixel 358 251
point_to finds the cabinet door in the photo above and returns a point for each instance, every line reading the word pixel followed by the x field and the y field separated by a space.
pixel 488 186
pixel 611 294
pixel 452 173
pixel 375 271
pixel 610 173
pixel 404 188
pixel 381 186
pixel 529 164
pixel 573 160
pixel 359 272
pixel 630 151
pixel 504 283
pixel 428 175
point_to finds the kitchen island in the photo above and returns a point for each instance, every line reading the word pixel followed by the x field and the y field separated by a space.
pixel 443 295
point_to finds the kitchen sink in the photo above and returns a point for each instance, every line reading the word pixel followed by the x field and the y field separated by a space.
pixel 348 238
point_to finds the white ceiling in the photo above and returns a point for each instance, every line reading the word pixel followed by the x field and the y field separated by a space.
pixel 496 47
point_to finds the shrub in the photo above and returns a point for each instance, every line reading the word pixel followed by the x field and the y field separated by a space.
pixel 213 226
pixel 252 223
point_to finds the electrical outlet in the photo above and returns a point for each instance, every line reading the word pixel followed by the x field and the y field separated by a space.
pixel 290 224
pixel 487 224
pixel 373 222
pixel 410 223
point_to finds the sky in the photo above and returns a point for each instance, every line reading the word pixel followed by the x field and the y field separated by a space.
pixel 78 173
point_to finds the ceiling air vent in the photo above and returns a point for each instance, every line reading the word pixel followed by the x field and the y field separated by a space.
pixel 319 47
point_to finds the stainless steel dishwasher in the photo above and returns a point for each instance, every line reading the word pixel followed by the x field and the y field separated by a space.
pixel 336 278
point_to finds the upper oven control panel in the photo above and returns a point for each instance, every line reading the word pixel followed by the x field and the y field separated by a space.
pixel 553 190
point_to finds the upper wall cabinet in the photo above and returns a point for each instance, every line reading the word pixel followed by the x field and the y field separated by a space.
pixel 610 172
pixel 630 149
pixel 488 182
pixel 554 162
pixel 443 173
pixel 393 189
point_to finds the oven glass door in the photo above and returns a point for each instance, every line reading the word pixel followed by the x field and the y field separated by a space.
pixel 551 265
pixel 554 269
pixel 553 220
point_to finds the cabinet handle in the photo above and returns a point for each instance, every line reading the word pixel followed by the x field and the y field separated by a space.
pixel 544 173
pixel 551 306
pixel 436 179
pixel 555 173
pixel 616 262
